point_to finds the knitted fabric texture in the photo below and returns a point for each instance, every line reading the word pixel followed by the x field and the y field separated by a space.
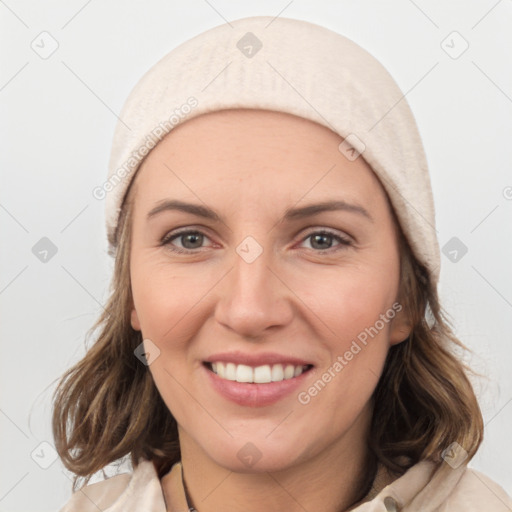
pixel 289 66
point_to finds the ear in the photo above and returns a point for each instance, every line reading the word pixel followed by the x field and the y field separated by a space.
pixel 134 319
pixel 401 328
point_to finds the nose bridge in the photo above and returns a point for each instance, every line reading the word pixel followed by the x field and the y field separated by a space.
pixel 253 299
pixel 251 277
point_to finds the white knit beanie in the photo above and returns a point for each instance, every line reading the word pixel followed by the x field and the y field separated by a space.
pixel 289 66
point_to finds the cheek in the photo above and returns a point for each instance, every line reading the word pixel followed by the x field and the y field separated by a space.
pixel 168 300
pixel 352 309
pixel 356 343
pixel 349 299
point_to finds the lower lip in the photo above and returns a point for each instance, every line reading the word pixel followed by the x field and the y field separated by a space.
pixel 255 395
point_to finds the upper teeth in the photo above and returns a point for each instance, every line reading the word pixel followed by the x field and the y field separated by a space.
pixel 258 375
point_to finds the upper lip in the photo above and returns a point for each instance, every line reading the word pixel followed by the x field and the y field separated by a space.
pixel 255 360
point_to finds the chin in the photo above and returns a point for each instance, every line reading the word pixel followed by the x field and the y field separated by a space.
pixel 254 456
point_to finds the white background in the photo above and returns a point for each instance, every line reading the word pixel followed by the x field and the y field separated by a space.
pixel 57 120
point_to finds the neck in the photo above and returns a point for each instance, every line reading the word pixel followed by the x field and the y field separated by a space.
pixel 332 481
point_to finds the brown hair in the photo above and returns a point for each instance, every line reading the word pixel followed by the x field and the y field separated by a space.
pixel 107 406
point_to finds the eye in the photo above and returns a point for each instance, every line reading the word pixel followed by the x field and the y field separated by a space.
pixel 323 240
pixel 188 240
pixel 191 240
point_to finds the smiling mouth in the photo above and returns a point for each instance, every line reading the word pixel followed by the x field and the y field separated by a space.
pixel 263 374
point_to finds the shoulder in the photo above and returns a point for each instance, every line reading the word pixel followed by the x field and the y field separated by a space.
pixel 430 487
pixel 112 493
pixel 98 496
pixel 476 492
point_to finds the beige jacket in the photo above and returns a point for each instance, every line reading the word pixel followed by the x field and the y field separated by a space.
pixel 423 488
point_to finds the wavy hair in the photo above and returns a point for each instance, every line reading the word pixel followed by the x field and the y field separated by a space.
pixel 107 406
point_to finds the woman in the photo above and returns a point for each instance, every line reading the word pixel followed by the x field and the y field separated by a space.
pixel 274 339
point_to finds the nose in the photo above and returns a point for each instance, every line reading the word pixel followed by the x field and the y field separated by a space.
pixel 254 298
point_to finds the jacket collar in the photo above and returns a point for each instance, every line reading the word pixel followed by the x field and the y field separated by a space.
pixel 412 490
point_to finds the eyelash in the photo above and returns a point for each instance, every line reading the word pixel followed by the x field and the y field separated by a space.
pixel 167 239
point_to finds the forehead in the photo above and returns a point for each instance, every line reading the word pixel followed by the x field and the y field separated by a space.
pixel 254 155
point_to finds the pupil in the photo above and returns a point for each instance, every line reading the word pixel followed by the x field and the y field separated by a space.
pixel 321 239
pixel 193 238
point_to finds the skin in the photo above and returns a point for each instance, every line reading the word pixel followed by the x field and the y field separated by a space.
pixel 250 167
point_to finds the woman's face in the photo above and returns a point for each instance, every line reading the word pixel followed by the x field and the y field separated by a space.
pixel 261 253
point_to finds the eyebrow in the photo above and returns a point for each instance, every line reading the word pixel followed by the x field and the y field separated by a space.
pixel 194 209
pixel 326 206
pixel 290 213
